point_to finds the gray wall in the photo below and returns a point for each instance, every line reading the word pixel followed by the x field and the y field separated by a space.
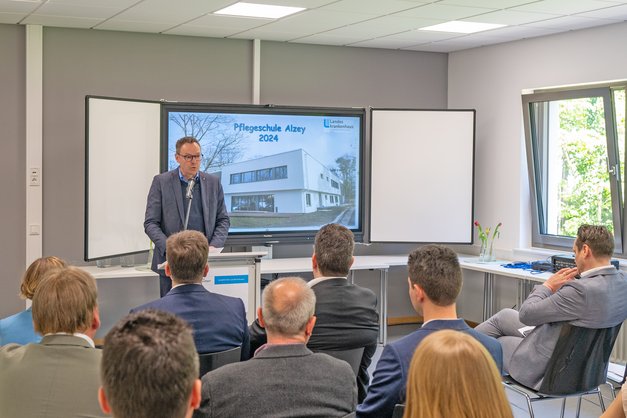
pixel 13 167
pixel 146 66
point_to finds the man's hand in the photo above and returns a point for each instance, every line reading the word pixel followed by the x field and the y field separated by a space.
pixel 556 281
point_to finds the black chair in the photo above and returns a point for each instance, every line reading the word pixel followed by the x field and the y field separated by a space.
pixel 211 361
pixel 614 384
pixel 352 357
pixel 399 410
pixel 577 367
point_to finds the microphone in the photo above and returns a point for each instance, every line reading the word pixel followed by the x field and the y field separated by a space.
pixel 190 187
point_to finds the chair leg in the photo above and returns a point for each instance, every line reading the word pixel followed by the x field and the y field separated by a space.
pixel 601 401
pixel 563 407
pixel 578 406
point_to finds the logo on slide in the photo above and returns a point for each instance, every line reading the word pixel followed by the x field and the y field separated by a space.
pixel 336 123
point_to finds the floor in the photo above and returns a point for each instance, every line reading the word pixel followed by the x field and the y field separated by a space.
pixel 546 409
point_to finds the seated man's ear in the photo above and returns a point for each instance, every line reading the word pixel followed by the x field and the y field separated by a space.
pixel 260 317
pixel 196 394
pixel 102 400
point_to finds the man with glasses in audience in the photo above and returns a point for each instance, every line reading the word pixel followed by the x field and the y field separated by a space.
pixel 167 203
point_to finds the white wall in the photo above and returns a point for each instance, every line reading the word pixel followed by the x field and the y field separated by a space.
pixel 491 79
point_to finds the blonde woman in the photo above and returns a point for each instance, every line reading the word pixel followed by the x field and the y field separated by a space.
pixel 453 375
pixel 18 328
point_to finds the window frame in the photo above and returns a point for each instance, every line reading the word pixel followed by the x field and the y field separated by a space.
pixel 535 166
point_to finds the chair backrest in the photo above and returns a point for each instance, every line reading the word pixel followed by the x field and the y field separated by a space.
pixel 580 360
pixel 352 357
pixel 211 361
pixel 399 410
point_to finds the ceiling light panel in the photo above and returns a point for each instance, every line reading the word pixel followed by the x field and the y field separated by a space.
pixel 264 11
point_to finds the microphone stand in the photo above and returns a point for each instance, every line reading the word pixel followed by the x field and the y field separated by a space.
pixel 190 196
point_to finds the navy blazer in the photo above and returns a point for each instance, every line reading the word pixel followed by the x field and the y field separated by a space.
pixel 218 321
pixel 165 211
pixel 390 377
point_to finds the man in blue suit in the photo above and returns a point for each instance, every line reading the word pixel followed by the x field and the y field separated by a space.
pixel 435 280
pixel 218 321
pixel 166 207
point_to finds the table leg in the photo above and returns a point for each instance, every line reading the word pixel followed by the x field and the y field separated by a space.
pixel 383 316
pixel 488 295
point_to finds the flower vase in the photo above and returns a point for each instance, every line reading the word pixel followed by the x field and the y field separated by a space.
pixel 485 253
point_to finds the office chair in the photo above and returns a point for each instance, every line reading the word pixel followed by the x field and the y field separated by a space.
pixel 352 357
pixel 577 367
pixel 211 361
pixel 399 410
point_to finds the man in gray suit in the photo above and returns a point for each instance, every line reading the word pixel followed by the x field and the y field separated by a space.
pixel 596 300
pixel 284 379
pixel 58 377
pixel 166 207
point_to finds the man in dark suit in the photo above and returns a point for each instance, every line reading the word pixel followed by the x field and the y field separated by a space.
pixel 219 321
pixel 435 280
pixel 595 300
pixel 166 206
pixel 59 376
pixel 284 378
pixel 346 314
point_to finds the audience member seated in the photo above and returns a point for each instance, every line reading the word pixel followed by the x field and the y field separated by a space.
pixel 596 300
pixel 346 314
pixel 452 375
pixel 435 280
pixel 284 378
pixel 149 367
pixel 219 322
pixel 18 328
pixel 618 407
pixel 59 376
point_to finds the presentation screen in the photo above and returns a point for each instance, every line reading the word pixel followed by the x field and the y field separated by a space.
pixel 422 176
pixel 285 171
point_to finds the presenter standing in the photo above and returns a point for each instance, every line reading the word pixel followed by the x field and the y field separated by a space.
pixel 168 208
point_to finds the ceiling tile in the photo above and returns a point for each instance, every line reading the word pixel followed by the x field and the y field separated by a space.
pixel 316 21
pixel 419 36
pixel 615 12
pixel 11 18
pixel 60 21
pixel 218 24
pixel 134 26
pixel 562 7
pixel 382 26
pixel 266 35
pixel 372 6
pixel 77 11
pixel 443 12
pixel 8 6
pixel 568 23
pixel 491 4
pixel 324 39
pixel 511 17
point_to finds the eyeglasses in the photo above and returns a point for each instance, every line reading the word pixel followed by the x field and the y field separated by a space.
pixel 190 158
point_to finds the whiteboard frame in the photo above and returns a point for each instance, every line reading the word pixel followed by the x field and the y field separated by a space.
pixel 412 226
pixel 119 173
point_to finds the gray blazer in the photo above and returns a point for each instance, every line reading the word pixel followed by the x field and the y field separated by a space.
pixel 58 377
pixel 280 381
pixel 596 301
pixel 165 211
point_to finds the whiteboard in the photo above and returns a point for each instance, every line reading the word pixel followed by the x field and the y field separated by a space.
pixel 122 156
pixel 422 175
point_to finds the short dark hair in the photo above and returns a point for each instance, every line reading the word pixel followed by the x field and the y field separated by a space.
pixel 149 365
pixel 334 245
pixel 598 238
pixel 187 253
pixel 436 270
pixel 64 301
pixel 185 140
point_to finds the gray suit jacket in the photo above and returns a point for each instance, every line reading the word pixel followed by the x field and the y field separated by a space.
pixel 596 301
pixel 165 211
pixel 58 377
pixel 280 381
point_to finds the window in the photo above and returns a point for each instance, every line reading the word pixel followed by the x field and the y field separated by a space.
pixel 308 199
pixel 335 184
pixel 274 173
pixel 576 153
pixel 253 203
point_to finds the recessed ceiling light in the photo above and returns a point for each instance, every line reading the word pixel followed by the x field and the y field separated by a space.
pixel 459 26
pixel 267 11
